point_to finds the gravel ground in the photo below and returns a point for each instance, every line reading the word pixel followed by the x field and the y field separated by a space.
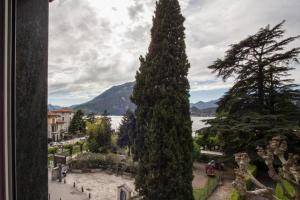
pixel 104 186
pixel 63 191
pixel 101 185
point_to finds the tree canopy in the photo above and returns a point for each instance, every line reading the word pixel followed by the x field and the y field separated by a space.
pixel 127 132
pixel 77 124
pixel 100 135
pixel 263 100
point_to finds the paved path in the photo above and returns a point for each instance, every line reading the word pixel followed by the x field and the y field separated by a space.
pixel 100 185
pixel 222 192
pixel 61 191
pixel 200 177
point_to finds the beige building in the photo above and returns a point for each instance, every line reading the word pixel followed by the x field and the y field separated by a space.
pixel 59 122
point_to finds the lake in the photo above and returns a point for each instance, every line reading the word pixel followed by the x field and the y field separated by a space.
pixel 197 122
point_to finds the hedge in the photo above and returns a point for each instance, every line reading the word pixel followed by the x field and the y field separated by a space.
pixel 111 162
pixel 52 150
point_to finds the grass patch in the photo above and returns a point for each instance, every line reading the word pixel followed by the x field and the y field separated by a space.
pixel 234 195
pixel 279 191
pixel 203 193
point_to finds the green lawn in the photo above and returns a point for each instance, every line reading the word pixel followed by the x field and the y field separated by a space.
pixel 203 193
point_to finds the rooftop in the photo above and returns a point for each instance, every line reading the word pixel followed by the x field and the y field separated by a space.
pixel 63 110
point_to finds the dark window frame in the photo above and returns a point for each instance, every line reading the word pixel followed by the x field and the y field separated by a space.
pixel 2 40
pixel 23 100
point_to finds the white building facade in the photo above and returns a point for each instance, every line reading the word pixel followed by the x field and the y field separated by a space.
pixel 59 122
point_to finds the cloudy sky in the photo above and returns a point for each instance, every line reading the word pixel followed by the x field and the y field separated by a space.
pixel 95 44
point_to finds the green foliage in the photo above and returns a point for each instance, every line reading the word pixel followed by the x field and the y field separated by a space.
pixel 197 193
pixel 210 186
pixel 127 132
pixel 77 124
pixel 234 195
pixel 251 129
pixel 100 135
pixel 206 138
pixel 196 151
pixel 161 95
pixel 103 161
pixel 69 147
pixel 263 100
pixel 81 145
pixel 91 118
pixel 252 170
pixel 52 150
pixel 284 190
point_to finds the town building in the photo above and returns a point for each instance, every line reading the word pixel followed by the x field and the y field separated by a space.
pixel 58 123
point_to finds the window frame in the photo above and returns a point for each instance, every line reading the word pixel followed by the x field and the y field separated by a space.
pixel 23 22
pixel 7 44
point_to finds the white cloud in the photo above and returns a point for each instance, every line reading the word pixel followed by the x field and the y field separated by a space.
pixel 96 44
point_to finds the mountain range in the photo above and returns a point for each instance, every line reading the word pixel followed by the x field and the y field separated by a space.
pixel 53 107
pixel 116 101
pixel 203 105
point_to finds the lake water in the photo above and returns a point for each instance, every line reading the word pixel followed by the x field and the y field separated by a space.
pixel 197 122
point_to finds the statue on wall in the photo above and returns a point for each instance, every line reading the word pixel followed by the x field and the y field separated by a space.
pixel 288 171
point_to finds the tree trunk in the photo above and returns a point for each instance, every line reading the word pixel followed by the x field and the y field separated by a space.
pixel 272 92
pixel 261 86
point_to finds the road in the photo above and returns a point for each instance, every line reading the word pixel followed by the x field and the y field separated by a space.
pixel 72 141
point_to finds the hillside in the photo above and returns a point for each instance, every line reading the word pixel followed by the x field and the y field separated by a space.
pixel 204 105
pixel 53 107
pixel 116 101
pixel 206 112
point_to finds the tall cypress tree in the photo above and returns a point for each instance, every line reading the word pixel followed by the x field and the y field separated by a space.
pixel 161 94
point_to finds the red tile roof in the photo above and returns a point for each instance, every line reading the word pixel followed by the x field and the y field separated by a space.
pixel 52 114
pixel 63 110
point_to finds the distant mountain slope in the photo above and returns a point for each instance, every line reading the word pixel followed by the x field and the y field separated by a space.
pixel 203 105
pixel 116 101
pixel 206 112
pixel 53 107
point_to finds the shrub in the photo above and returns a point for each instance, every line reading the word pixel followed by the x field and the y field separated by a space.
pixel 234 195
pixel 69 147
pixel 103 161
pixel 196 151
pixel 52 150
pixel 79 143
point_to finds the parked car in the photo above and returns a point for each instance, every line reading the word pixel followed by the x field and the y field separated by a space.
pixel 212 166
